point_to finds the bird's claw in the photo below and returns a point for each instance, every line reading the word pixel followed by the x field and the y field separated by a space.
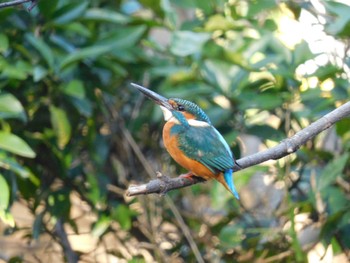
pixel 188 176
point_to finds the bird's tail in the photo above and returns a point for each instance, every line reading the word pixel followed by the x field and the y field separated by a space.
pixel 226 179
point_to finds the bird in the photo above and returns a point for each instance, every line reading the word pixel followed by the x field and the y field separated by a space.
pixel 193 142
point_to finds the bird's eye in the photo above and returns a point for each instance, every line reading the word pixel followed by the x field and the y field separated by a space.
pixel 180 108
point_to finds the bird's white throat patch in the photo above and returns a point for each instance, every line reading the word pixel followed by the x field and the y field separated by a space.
pixel 168 116
pixel 167 113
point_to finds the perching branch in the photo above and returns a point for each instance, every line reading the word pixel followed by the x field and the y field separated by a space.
pixel 19 2
pixel 164 184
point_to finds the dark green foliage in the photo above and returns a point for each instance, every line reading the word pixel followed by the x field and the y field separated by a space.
pixel 73 135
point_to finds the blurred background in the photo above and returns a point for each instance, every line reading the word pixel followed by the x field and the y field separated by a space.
pixel 74 134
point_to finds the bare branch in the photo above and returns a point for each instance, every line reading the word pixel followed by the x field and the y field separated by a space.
pixel 19 2
pixel 164 184
pixel 71 256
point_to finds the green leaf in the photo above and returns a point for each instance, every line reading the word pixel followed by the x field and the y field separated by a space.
pixel 333 224
pixel 302 53
pixel 266 132
pixel 61 126
pixel 332 171
pixel 218 22
pixel 123 215
pixel 4 43
pixel 181 91
pixel 62 43
pixel 231 235
pixel 344 229
pixel 170 13
pixel 47 7
pixel 39 73
pixel 14 144
pixel 10 107
pixel 186 43
pixel 7 218
pixel 342 20
pixel 79 29
pixel 70 12
pixel 94 193
pixel 83 106
pixel 327 71
pixel 104 15
pixel 76 92
pixel 59 204
pixel 121 39
pixel 262 101
pixel 336 247
pixel 10 163
pixel 336 199
pixel 219 73
pixel 42 48
pixel 166 70
pixel 342 127
pixel 255 7
pixel 84 53
pixel 243 177
pixel 101 225
pixel 20 70
pixel 4 194
pixel 187 4
pixel 75 88
pixel 136 259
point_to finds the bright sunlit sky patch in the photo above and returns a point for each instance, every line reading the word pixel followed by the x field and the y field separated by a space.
pixel 311 29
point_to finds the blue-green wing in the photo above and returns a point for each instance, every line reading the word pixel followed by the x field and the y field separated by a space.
pixel 206 145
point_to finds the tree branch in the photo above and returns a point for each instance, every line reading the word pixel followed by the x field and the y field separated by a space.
pixel 71 256
pixel 164 184
pixel 19 2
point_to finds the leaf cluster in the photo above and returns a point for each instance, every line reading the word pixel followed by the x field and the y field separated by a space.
pixel 74 135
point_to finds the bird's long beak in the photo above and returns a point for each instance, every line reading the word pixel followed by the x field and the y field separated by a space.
pixel 162 101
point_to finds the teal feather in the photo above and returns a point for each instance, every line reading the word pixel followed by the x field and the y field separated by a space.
pixel 194 109
pixel 229 180
pixel 181 118
pixel 204 145
pixel 207 146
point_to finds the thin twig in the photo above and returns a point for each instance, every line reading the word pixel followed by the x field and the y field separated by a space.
pixel 19 2
pixel 71 256
pixel 164 184
pixel 277 257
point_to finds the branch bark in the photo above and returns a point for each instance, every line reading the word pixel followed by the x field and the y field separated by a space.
pixel 19 2
pixel 71 256
pixel 164 184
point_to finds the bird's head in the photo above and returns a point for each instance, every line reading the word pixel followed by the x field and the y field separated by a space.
pixel 177 110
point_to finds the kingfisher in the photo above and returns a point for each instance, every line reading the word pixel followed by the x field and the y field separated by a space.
pixel 193 142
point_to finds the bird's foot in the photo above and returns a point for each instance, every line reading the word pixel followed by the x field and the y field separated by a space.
pixel 188 176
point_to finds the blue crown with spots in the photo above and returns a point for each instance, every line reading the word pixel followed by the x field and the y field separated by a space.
pixel 194 109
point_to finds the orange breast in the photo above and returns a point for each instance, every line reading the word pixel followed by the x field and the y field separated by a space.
pixel 171 144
